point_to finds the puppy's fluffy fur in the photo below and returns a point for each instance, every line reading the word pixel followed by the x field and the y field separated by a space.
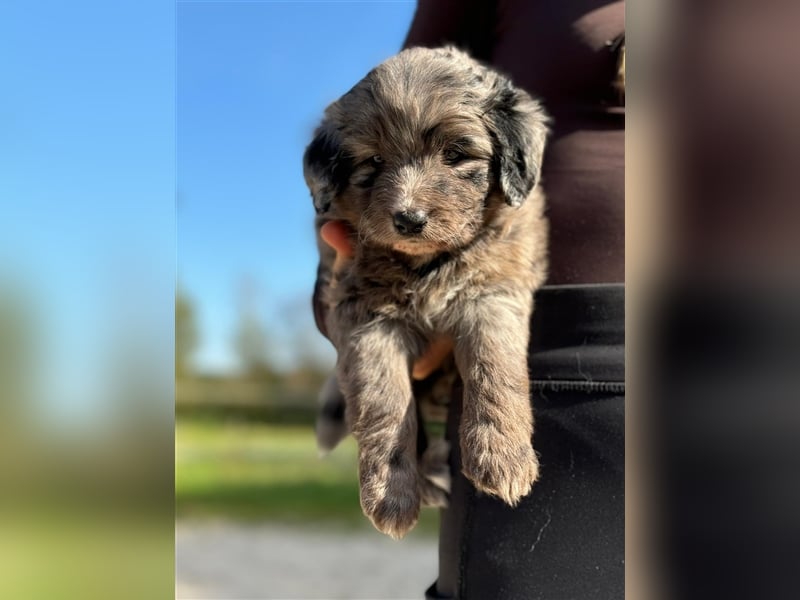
pixel 438 135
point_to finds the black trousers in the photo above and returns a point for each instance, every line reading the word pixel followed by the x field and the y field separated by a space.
pixel 566 539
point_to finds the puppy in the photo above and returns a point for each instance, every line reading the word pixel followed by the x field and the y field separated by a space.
pixel 433 160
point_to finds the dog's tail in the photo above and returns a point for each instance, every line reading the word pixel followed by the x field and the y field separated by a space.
pixel 330 427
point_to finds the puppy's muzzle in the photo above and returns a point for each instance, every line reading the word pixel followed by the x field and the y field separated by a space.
pixel 410 222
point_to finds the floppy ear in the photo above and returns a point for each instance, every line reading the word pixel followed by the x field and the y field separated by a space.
pixel 324 167
pixel 518 125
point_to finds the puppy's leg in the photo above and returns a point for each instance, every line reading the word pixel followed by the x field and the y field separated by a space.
pixel 434 471
pixel 497 421
pixel 433 453
pixel 374 375
pixel 330 427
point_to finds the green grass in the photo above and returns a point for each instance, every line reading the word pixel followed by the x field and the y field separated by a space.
pixel 251 470
pixel 58 553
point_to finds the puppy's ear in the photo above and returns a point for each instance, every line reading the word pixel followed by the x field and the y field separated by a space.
pixel 324 167
pixel 518 125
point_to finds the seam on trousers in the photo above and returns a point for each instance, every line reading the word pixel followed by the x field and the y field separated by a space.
pixel 566 385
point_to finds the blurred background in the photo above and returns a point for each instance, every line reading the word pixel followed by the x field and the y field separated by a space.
pixel 95 98
pixel 87 240
pixel 259 513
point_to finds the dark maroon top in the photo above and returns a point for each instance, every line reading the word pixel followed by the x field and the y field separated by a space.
pixel 562 53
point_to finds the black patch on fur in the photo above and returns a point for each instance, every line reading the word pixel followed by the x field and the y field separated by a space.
pixel 442 186
pixel 396 458
pixel 324 161
pixel 429 134
pixel 334 410
pixel 369 181
pixel 476 176
pixel 433 265
pixel 513 139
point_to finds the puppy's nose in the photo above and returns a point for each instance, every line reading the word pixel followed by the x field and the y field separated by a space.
pixel 409 223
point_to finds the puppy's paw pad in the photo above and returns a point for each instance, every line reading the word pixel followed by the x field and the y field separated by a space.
pixel 506 471
pixel 395 516
pixel 396 512
pixel 392 501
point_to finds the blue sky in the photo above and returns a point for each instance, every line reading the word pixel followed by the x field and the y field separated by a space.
pixel 252 81
pixel 110 110
pixel 87 180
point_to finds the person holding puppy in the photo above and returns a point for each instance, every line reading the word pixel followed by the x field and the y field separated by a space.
pixel 566 538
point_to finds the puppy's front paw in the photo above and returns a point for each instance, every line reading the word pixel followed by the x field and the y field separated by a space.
pixel 501 464
pixel 390 496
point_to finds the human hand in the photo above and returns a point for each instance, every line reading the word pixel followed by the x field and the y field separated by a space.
pixel 337 235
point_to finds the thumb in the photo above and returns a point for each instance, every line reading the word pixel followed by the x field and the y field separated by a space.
pixel 337 235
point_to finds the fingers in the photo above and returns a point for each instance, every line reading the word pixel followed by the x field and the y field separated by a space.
pixel 433 358
pixel 337 235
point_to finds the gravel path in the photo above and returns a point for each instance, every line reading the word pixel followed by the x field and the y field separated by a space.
pixel 237 561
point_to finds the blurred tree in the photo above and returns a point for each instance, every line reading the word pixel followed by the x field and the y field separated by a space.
pixel 307 349
pixel 185 334
pixel 251 346
pixel 251 340
pixel 17 349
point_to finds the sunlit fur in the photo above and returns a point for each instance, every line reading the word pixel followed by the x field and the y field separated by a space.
pixel 433 131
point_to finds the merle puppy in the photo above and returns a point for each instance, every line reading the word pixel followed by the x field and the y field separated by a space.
pixel 433 160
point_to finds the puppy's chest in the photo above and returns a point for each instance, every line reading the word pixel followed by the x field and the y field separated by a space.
pixel 422 299
pixel 426 303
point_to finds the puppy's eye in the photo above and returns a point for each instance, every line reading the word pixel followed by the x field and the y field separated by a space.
pixel 377 159
pixel 455 155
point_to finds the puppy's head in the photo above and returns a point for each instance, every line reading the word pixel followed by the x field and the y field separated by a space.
pixel 424 150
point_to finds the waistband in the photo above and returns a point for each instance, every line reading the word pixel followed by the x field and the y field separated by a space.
pixel 578 338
